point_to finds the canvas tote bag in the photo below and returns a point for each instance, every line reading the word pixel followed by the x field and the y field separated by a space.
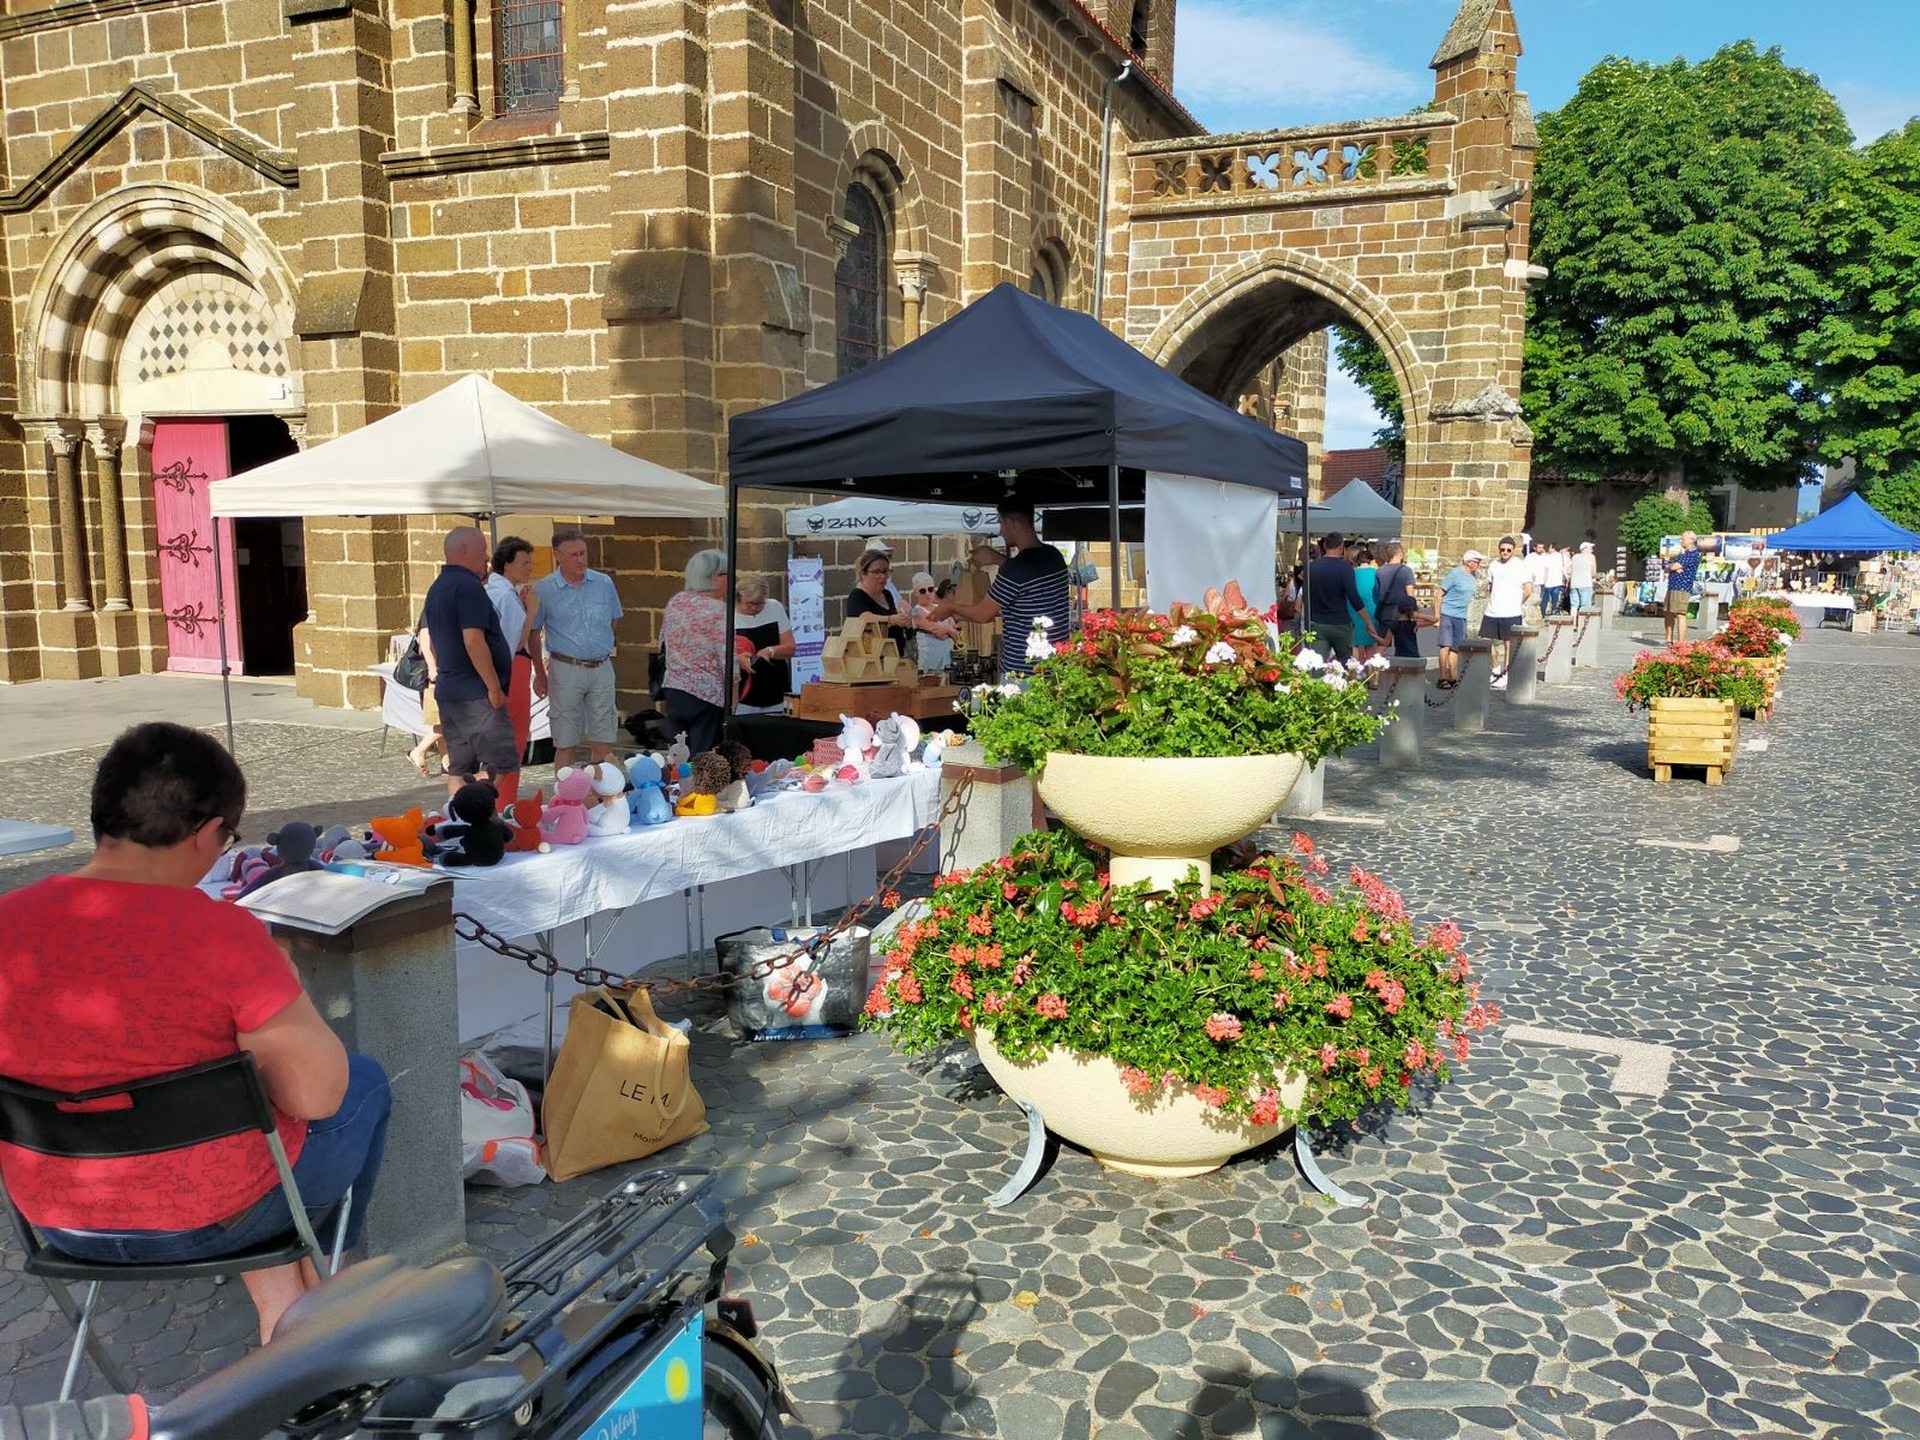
pixel 620 1089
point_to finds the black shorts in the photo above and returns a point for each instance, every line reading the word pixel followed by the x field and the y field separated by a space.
pixel 1498 627
pixel 479 738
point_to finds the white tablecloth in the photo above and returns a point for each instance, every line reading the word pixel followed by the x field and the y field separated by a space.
pixel 1818 600
pixel 400 708
pixel 525 894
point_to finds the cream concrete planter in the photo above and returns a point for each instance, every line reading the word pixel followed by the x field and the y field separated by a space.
pixel 1167 1135
pixel 1162 817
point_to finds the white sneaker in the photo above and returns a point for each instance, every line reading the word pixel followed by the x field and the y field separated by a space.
pixel 1499 683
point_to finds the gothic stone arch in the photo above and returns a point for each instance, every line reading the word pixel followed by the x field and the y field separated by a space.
pixel 1415 228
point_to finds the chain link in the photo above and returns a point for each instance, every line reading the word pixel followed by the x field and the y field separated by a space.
pixel 1461 659
pixel 542 961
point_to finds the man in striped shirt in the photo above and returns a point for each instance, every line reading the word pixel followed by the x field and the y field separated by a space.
pixel 1032 582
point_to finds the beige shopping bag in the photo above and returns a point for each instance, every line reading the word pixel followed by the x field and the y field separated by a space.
pixel 620 1089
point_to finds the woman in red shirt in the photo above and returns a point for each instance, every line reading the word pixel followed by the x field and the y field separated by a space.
pixel 124 970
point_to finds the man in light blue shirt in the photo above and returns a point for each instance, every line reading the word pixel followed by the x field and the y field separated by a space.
pixel 577 609
pixel 1454 597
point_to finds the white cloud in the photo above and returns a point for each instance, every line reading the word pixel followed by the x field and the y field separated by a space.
pixel 1351 418
pixel 1871 112
pixel 1231 58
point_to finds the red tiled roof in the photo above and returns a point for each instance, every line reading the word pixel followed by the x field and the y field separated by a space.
pixel 1373 467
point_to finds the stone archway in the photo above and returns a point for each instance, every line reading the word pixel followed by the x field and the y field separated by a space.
pixel 1415 228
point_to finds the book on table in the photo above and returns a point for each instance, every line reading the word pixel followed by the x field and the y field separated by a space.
pixel 326 902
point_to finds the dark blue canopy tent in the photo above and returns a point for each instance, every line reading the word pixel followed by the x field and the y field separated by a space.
pixel 1852 526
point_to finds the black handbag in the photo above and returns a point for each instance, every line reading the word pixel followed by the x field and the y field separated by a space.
pixel 410 670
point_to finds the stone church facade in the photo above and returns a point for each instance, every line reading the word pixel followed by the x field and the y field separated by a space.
pixel 236 227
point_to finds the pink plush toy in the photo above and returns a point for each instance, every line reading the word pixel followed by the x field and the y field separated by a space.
pixel 848 775
pixel 814 783
pixel 565 821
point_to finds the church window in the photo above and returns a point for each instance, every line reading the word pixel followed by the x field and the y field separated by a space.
pixel 860 285
pixel 528 54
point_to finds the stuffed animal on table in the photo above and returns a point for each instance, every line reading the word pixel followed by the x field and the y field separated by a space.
pixel 699 793
pixel 481 836
pixel 610 815
pixel 399 837
pixel 677 757
pixel 331 839
pixel 764 779
pixel 649 801
pixel 738 756
pixel 293 845
pixel 814 781
pixel 890 758
pixel 565 820
pixel 524 816
pixel 856 740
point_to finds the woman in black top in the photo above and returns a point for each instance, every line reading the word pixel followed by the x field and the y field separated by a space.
pixel 871 597
pixel 762 623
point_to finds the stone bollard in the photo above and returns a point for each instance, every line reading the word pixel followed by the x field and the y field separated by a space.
pixel 1523 676
pixel 1309 795
pixel 1586 648
pixel 1470 697
pixel 998 811
pixel 1556 668
pixel 1404 680
pixel 386 986
pixel 1609 607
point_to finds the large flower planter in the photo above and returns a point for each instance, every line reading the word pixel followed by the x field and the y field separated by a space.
pixel 1767 667
pixel 1161 818
pixel 1164 1135
pixel 1692 732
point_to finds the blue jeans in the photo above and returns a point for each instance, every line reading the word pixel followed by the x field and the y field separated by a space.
pixel 1582 597
pixel 342 1150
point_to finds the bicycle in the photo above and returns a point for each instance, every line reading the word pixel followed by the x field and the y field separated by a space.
pixel 579 1338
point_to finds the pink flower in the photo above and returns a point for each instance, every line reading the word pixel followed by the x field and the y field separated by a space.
pixel 1372 1077
pixel 994 1003
pixel 1361 1056
pixel 989 956
pixel 1360 932
pixel 907 988
pixel 1138 1082
pixel 1009 890
pixel 1328 1056
pixel 1212 1096
pixel 1461 1045
pixel 979 925
pixel 1340 1007
pixel 1223 1027
pixel 1204 907
pixel 1303 842
pixel 1023 970
pixel 1393 997
pixel 962 986
pixel 1318 894
pixel 1257 971
pixel 1051 1006
pixel 1281 999
pixel 1266 1110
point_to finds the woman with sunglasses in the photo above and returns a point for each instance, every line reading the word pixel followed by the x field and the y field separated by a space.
pixel 936 636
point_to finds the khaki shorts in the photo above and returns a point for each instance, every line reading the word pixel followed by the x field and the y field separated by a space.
pixel 1678 601
pixel 580 704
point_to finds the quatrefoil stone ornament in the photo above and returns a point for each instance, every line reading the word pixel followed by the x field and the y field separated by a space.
pixel 1310 167
pixel 1263 171
pixel 1216 173
pixel 1170 175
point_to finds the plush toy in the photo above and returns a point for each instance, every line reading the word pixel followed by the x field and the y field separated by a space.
pixel 933 749
pixel 890 759
pixel 350 850
pixel 482 836
pixel 848 775
pixel 610 816
pixel 565 820
pixel 814 782
pixel 293 851
pixel 738 756
pixel 856 739
pixel 399 837
pixel 649 801
pixel 331 839
pixel 524 816
pixel 711 774
pixel 677 755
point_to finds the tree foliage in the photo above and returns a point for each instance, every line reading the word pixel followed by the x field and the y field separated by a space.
pixel 1866 353
pixel 1654 515
pixel 1675 209
pixel 1361 361
pixel 1897 496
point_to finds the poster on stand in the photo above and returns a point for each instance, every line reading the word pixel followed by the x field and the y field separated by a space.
pixel 807 609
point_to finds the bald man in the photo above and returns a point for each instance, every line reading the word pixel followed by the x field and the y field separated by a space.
pixel 475 663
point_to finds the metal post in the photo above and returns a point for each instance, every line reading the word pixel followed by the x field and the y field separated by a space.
pixel 220 624
pixel 1303 560
pixel 1100 214
pixel 732 670
pixel 1113 522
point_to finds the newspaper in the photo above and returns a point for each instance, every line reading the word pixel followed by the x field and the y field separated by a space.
pixel 327 902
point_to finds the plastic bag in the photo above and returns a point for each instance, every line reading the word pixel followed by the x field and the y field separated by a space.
pixel 497 1141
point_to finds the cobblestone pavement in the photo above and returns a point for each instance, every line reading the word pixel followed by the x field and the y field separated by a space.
pixel 1542 1256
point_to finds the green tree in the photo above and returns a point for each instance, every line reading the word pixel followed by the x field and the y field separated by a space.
pixel 1866 353
pixel 1897 496
pixel 1674 209
pixel 1654 515
pixel 1360 361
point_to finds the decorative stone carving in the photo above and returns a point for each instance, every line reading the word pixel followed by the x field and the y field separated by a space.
pixel 841 233
pixel 915 273
pixel 1216 173
pixel 1169 176
pixel 1490 403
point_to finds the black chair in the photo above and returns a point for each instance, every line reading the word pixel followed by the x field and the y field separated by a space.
pixel 174 1111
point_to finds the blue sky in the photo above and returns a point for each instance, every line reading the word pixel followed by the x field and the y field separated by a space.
pixel 1262 64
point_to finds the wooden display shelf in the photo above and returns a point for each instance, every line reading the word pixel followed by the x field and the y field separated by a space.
pixel 822 700
pixel 1692 732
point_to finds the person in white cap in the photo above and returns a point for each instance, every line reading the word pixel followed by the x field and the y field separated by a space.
pixel 1580 575
pixel 1453 598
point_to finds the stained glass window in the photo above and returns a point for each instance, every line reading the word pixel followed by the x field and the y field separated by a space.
pixel 859 285
pixel 528 51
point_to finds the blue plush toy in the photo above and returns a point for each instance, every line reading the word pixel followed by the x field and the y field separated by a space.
pixel 648 801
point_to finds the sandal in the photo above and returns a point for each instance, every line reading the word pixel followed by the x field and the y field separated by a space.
pixel 419 763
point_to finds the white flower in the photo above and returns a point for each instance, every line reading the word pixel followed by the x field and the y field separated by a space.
pixel 1309 661
pixel 1038 646
pixel 1283 689
pixel 1354 667
pixel 1378 662
pixel 1009 689
pixel 1337 681
pixel 1393 704
pixel 1185 635
pixel 1785 639
pixel 1041 622
pixel 1221 653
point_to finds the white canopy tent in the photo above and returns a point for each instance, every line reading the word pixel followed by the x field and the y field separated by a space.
pixel 469 449
pixel 860 517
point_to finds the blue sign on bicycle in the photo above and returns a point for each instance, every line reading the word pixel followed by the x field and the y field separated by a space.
pixel 664 1400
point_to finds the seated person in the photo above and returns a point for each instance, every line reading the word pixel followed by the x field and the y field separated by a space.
pixel 124 970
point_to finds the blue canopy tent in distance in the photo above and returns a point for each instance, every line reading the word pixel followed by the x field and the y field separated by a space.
pixel 1850 527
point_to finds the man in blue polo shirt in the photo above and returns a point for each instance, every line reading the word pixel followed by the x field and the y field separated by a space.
pixel 474 664
pixel 577 609
pixel 1683 573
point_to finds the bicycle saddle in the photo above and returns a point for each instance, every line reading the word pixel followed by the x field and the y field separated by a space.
pixel 379 1321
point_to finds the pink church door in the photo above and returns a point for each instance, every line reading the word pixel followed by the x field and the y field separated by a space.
pixel 189 458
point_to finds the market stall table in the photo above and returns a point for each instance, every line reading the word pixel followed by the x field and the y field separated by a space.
pixel 1820 602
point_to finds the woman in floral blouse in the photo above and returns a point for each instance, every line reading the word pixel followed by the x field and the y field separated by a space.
pixel 693 632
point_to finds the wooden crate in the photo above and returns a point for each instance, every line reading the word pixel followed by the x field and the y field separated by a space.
pixel 827 701
pixel 1767 668
pixel 1692 732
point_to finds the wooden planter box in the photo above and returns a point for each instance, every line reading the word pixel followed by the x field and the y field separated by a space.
pixel 1692 732
pixel 1768 668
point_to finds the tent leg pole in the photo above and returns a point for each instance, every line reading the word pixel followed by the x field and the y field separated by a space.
pixel 733 551
pixel 220 624
pixel 1113 531
pixel 1304 546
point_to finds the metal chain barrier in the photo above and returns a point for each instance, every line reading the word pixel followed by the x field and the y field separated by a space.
pixel 1582 623
pixel 1552 640
pixel 542 961
pixel 1463 658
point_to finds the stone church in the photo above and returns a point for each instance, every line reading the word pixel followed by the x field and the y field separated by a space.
pixel 237 227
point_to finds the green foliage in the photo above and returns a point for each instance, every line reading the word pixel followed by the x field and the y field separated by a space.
pixel 1654 515
pixel 1360 361
pixel 1269 975
pixel 1698 670
pixel 1866 353
pixel 1675 210
pixel 1898 496
pixel 1147 685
